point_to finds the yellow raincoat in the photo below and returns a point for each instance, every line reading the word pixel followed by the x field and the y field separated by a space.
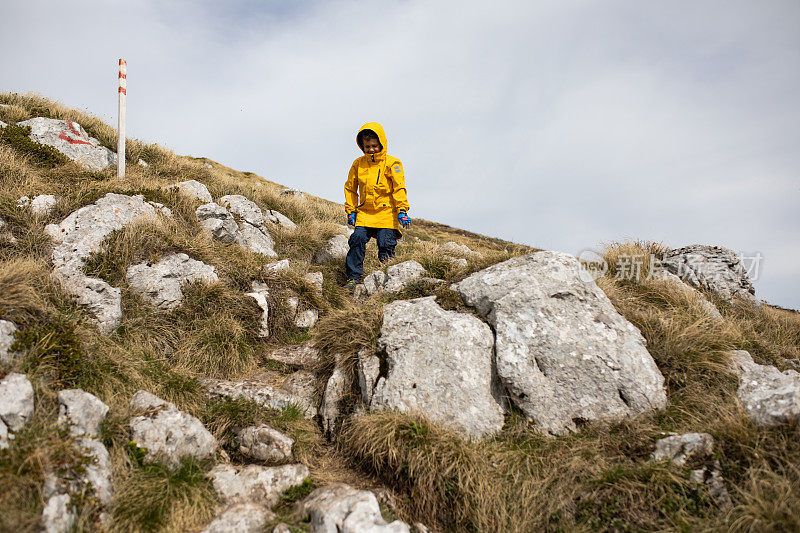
pixel 376 186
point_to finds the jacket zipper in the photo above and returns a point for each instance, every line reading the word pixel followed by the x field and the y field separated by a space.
pixel 379 177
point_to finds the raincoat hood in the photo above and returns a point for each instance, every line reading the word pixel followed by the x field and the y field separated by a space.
pixel 378 129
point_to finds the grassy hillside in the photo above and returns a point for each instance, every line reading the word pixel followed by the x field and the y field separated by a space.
pixel 597 479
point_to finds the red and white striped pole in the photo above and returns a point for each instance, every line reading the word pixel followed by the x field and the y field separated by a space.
pixel 123 92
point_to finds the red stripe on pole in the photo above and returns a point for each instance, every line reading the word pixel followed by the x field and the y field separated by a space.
pixel 122 90
pixel 123 76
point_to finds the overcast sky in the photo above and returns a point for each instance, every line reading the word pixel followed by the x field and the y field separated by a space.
pixel 558 124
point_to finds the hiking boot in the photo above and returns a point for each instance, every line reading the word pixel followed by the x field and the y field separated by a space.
pixel 351 285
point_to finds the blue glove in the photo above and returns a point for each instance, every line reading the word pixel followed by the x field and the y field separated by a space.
pixel 351 219
pixel 403 219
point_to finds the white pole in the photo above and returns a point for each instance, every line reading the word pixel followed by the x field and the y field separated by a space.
pixel 123 92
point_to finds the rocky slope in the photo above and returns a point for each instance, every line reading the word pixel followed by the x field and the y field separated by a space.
pixel 178 353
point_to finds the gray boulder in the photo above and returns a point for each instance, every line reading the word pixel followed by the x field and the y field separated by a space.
pixel 339 508
pixel 264 443
pixel 334 250
pixel 682 449
pixel 563 352
pixel 41 205
pixel 368 368
pixel 456 262
pixel 270 389
pixel 16 401
pixel 395 278
pixel 240 518
pixel 167 434
pixel 71 139
pixel 81 234
pixel 243 208
pixel 80 412
pixel 57 515
pixel 315 279
pixel 712 268
pixel 161 283
pixel 8 331
pixel 218 222
pixel 256 484
pixel 303 317
pixel 769 397
pixel 195 189
pixel 439 365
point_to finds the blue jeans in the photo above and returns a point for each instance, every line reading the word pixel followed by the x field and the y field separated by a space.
pixel 387 240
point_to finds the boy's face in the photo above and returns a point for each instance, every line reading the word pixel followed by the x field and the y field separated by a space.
pixel 372 146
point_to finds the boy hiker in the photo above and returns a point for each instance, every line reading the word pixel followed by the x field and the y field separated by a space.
pixel 375 201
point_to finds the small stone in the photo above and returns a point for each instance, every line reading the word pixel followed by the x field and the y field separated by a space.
pixel 240 518
pixel 259 294
pixel 307 318
pixel 57 516
pixel 264 443
pixel 458 250
pixel 334 250
pixel 278 266
pixel 293 192
pixel 683 449
pixel 341 508
pixel 16 401
pixel 167 434
pixel 315 279
pixel 142 163
pixel 43 204
pixel 275 217
pixel 81 412
pixel 24 201
pixel 456 262
pixel 302 355
pixel 195 189
pixel 256 484
pixel 8 331
pixel 335 390
pixel 161 283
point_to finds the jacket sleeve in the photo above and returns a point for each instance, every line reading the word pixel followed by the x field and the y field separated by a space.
pixel 351 190
pixel 399 186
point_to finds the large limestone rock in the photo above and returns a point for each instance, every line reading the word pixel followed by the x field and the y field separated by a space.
pixel 167 434
pixel 218 222
pixel 339 508
pixel 685 448
pixel 80 412
pixel 253 233
pixel 240 518
pixel 79 235
pixel 264 443
pixel 270 389
pixel 161 283
pixel 440 365
pixel 769 397
pixel 563 352
pixel 368 368
pixel 712 268
pixel 71 139
pixel 195 189
pixel 395 278
pixel 256 484
pixel 57 516
pixel 8 331
pixel 334 250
